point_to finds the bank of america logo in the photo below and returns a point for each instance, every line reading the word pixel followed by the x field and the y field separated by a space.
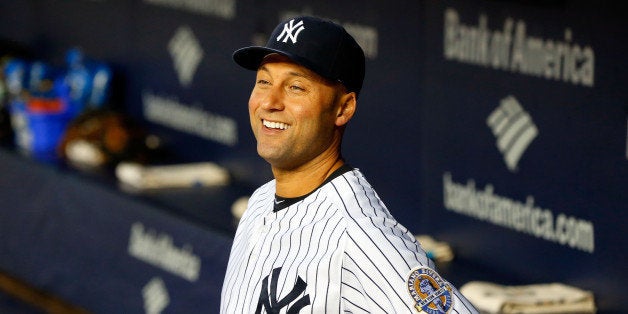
pixel 186 53
pixel 514 129
pixel 156 297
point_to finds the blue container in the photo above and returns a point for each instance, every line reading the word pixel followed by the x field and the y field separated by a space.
pixel 38 132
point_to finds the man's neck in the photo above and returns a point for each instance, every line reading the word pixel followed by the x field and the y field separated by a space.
pixel 295 183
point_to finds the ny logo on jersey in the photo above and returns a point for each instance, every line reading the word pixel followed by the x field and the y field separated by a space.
pixel 269 300
pixel 291 31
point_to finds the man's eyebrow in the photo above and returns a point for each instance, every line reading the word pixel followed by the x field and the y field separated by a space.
pixel 291 73
pixel 304 75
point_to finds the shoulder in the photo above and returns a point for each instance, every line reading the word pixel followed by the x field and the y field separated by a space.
pixel 355 195
pixel 259 199
pixel 370 225
pixel 368 220
pixel 264 192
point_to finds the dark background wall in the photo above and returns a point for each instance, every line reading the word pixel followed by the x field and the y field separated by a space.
pixel 498 126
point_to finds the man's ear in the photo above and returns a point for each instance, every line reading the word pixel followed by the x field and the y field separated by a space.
pixel 346 108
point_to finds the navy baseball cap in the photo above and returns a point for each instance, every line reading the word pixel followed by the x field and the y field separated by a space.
pixel 319 45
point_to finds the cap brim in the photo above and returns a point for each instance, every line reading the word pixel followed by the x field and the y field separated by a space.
pixel 251 57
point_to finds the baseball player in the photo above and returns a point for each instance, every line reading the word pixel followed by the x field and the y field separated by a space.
pixel 317 238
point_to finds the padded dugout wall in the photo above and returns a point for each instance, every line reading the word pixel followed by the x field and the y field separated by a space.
pixel 499 126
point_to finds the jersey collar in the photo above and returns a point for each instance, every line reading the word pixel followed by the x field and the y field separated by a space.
pixel 285 202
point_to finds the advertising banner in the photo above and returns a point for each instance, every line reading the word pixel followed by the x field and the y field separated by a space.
pixel 524 138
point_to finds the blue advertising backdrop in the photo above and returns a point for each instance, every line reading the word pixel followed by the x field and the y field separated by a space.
pixel 523 128
pixel 498 126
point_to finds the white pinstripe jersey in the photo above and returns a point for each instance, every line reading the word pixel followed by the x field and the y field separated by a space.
pixel 338 250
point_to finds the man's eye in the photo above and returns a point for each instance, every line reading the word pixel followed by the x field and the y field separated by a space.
pixel 296 88
pixel 262 82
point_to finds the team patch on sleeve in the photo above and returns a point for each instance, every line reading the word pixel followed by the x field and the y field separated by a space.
pixel 431 293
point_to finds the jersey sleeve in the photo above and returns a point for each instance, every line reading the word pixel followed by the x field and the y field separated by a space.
pixel 384 268
pixel 386 271
pixel 375 266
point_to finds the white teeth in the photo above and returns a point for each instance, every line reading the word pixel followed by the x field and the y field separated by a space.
pixel 275 125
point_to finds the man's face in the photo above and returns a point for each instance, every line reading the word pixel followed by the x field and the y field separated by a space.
pixel 293 113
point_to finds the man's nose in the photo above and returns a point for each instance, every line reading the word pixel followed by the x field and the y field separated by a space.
pixel 272 100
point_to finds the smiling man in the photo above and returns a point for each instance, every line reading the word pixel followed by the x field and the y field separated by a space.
pixel 317 238
pixel 297 118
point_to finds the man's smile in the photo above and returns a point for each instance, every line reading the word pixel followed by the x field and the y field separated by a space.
pixel 275 125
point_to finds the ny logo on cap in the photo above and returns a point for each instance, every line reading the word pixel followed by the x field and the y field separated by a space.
pixel 291 31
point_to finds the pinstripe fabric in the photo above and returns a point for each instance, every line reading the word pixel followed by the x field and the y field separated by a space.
pixel 340 240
